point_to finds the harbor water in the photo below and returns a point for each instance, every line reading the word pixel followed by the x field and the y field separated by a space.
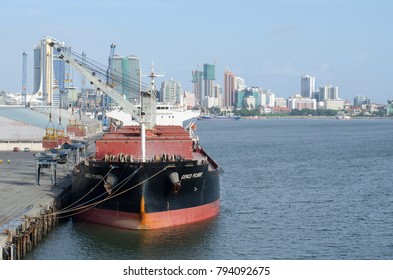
pixel 292 189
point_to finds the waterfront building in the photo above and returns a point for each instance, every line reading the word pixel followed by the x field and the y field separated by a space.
pixel 229 88
pixel 262 97
pixel 239 97
pixel 280 102
pixel 358 101
pixel 270 98
pixel 333 104
pixel 300 103
pixel 389 108
pixel 171 92
pixel 249 102
pixel 208 79
pixel 307 86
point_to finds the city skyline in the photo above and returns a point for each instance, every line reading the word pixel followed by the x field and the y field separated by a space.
pixel 269 44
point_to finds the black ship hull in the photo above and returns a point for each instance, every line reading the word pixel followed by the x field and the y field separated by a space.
pixel 145 195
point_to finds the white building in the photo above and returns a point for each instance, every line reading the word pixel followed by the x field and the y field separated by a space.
pixel 171 92
pixel 49 72
pixel 209 102
pixel 333 104
pixel 249 101
pixel 280 102
pixel 240 84
pixel 300 103
pixel 189 99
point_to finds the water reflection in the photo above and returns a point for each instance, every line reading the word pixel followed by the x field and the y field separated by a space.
pixel 181 242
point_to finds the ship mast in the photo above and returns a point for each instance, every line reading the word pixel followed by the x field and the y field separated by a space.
pixel 148 110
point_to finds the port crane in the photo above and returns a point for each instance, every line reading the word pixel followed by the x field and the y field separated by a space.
pixel 109 80
pixel 146 116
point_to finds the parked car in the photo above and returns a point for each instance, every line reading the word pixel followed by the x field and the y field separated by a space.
pixel 16 149
pixel 26 149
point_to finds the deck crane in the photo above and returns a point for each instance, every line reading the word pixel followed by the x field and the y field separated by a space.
pixel 146 117
pixel 83 89
pixel 109 81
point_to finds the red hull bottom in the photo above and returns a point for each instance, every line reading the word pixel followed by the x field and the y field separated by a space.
pixel 151 220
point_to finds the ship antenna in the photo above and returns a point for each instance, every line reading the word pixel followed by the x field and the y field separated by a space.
pixel 152 76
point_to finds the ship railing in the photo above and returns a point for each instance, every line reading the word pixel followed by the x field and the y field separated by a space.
pixel 129 158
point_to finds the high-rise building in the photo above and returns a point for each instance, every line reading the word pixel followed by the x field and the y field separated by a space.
pixel 208 78
pixel 49 72
pixel 126 76
pixel 328 93
pixel 37 68
pixel 218 94
pixel 307 86
pixel 229 88
pixel 171 92
pixel 132 77
pixel 197 86
pixel 117 73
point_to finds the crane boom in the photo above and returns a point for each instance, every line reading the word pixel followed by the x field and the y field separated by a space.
pixel 91 76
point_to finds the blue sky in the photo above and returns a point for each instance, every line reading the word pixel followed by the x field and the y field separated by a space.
pixel 270 44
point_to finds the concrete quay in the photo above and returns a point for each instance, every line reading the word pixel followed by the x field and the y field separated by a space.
pixel 28 211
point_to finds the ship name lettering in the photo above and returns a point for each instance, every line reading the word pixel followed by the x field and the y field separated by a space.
pixel 94 176
pixel 193 175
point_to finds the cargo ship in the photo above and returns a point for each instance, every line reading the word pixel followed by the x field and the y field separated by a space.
pixel 217 118
pixel 177 183
pixel 145 176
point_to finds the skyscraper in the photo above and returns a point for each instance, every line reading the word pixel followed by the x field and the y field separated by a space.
pixel 208 78
pixel 49 72
pixel 126 76
pixel 117 73
pixel 132 77
pixel 229 88
pixel 307 86
pixel 197 86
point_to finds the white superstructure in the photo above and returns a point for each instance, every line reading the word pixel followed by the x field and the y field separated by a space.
pixel 165 115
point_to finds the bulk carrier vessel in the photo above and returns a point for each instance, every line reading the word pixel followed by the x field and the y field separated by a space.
pixel 143 177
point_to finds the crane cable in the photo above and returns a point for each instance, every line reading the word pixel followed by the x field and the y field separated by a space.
pixel 122 183
pixel 101 70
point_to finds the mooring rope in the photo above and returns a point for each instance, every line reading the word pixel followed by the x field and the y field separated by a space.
pixel 81 209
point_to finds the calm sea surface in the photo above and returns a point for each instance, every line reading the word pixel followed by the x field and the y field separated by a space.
pixel 292 189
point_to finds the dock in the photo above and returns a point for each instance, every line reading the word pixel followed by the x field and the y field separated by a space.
pixel 28 205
